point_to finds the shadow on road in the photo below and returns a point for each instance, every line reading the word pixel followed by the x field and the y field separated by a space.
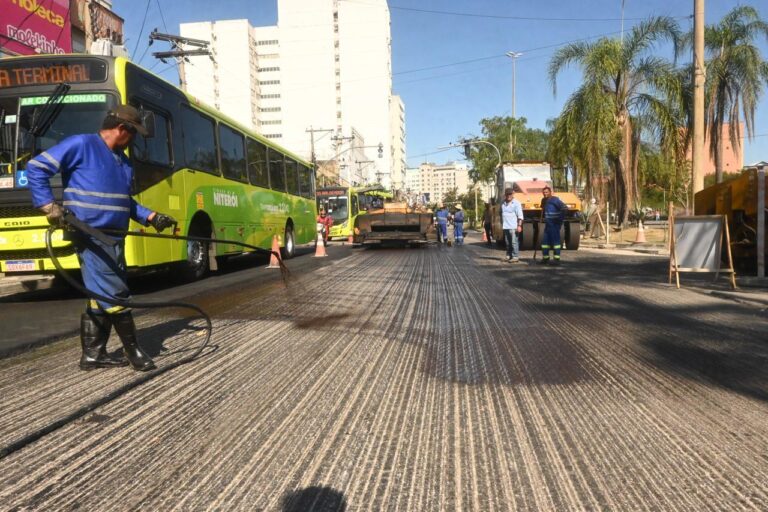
pixel 314 499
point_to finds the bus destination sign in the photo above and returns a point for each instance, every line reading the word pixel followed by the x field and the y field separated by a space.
pixel 18 74
pixel 330 192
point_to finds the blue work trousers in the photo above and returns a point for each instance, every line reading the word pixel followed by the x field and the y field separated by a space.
pixel 551 240
pixel 104 272
pixel 458 232
pixel 442 232
pixel 512 243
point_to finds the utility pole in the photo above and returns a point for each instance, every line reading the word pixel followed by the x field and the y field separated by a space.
pixel 178 52
pixel 313 157
pixel 699 75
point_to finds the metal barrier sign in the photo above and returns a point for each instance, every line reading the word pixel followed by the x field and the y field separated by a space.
pixel 696 245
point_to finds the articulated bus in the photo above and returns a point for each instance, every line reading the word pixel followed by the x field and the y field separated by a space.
pixel 217 178
pixel 344 204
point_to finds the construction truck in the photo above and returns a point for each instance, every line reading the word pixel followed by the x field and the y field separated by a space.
pixel 528 180
pixel 737 200
pixel 395 222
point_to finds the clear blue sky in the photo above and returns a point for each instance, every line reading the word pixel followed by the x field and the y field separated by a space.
pixel 451 69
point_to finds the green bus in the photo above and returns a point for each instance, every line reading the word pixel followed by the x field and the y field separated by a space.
pixel 216 177
pixel 344 204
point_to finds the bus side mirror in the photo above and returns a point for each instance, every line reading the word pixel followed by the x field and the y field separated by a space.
pixel 148 120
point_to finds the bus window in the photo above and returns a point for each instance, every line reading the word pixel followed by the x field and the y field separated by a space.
pixel 291 176
pixel 155 150
pixel 355 207
pixel 305 181
pixel 232 154
pixel 257 163
pixel 199 140
pixel 276 170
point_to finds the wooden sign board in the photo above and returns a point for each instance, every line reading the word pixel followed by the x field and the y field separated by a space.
pixel 696 245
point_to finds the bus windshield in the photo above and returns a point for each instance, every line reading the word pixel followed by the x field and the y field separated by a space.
pixel 337 207
pixel 80 113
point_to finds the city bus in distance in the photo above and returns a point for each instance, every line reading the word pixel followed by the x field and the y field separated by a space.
pixel 219 179
pixel 344 204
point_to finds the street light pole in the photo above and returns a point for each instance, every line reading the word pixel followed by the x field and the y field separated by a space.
pixel 513 56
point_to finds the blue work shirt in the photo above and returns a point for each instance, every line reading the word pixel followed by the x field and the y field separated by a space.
pixel 511 212
pixel 458 217
pixel 554 209
pixel 97 182
pixel 442 216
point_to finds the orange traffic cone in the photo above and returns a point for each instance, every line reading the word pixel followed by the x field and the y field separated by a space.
pixel 274 260
pixel 320 246
pixel 485 237
pixel 640 238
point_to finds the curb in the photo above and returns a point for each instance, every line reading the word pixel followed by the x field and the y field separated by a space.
pixel 11 285
pixel 755 301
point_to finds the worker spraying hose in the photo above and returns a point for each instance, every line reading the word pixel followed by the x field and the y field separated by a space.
pixel 97 179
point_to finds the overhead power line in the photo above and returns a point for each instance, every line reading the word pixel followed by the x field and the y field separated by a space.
pixel 501 17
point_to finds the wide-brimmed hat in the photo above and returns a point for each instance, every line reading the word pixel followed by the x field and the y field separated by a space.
pixel 458 207
pixel 130 116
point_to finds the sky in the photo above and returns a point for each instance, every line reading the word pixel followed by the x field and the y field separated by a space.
pixel 449 60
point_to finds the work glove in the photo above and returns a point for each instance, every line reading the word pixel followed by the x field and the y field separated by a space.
pixel 161 221
pixel 54 213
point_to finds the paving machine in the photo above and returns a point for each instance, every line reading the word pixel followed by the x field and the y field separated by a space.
pixel 394 222
pixel 528 179
pixel 737 200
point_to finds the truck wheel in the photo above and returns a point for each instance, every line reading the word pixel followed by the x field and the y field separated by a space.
pixel 573 235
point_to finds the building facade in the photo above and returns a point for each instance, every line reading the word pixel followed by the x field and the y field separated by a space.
pixel 435 181
pixel 319 83
pixel 397 145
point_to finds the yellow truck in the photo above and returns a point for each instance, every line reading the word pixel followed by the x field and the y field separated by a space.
pixel 528 179
pixel 737 199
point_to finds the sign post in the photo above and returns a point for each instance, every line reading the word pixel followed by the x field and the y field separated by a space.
pixel 760 222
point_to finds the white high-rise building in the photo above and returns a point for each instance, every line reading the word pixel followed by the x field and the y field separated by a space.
pixel 435 181
pixel 320 79
pixel 397 132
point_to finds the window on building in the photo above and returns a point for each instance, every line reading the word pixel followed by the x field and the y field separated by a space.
pixel 276 170
pixel 270 109
pixel 258 172
pixel 155 150
pixel 291 176
pixel 199 140
pixel 266 70
pixel 269 82
pixel 232 154
pixel 273 135
pixel 271 122
pixel 269 96
pixel 266 42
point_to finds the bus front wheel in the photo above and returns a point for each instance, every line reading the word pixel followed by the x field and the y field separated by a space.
pixel 196 265
pixel 289 250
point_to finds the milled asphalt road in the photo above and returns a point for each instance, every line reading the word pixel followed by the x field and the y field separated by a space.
pixel 415 380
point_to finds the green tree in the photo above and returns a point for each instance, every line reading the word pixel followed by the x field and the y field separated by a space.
pixel 636 84
pixel 736 77
pixel 514 140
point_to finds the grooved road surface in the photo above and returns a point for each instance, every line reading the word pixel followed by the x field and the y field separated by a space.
pixel 415 380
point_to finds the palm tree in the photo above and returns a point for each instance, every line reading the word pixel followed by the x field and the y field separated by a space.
pixel 736 76
pixel 636 83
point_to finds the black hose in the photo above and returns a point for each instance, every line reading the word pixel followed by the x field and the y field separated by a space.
pixel 72 221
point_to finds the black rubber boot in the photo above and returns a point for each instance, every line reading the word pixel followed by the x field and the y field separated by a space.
pixel 126 329
pixel 94 334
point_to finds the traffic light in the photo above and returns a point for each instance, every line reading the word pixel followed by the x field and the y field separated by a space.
pixel 381 150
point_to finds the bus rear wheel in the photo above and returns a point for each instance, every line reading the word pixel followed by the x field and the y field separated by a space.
pixel 196 265
pixel 289 250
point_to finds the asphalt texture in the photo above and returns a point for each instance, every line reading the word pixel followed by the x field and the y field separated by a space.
pixel 434 378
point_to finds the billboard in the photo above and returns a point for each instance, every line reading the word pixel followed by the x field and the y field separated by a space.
pixel 35 26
